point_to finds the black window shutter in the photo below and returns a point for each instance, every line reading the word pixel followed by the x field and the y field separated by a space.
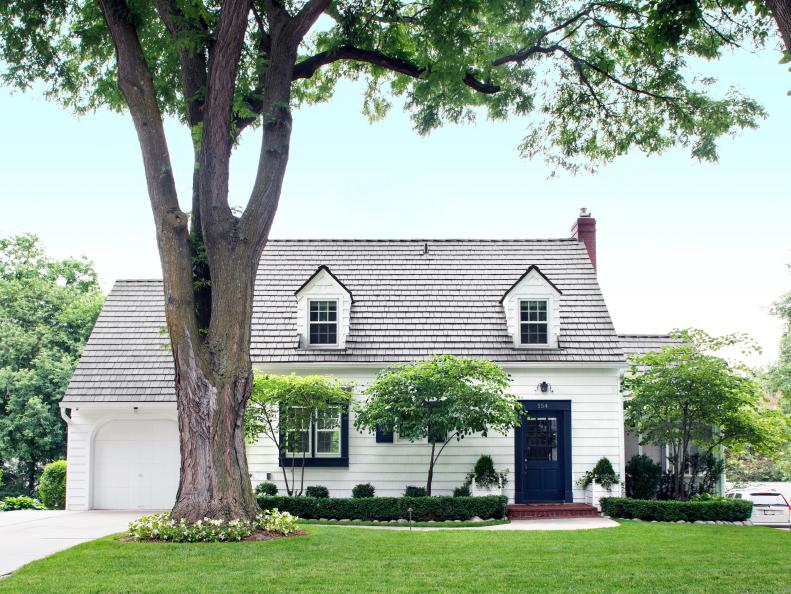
pixel 383 436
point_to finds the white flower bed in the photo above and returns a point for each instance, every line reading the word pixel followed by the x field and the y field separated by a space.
pixel 163 527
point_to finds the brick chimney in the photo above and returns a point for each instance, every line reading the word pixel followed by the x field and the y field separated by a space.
pixel 584 230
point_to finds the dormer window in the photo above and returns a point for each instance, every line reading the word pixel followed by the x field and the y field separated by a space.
pixel 323 322
pixel 323 311
pixel 532 311
pixel 533 321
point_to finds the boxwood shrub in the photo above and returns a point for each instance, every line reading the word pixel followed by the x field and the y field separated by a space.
pixel 731 510
pixel 52 485
pixel 390 508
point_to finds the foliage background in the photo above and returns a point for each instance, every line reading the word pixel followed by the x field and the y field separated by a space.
pixel 47 310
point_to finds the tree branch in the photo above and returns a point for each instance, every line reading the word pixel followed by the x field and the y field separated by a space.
pixel 305 18
pixel 216 141
pixel 308 67
pixel 193 63
pixel 137 87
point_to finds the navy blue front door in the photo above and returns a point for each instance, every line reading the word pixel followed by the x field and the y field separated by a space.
pixel 543 452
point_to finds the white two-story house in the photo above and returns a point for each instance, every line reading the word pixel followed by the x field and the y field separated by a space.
pixel 350 308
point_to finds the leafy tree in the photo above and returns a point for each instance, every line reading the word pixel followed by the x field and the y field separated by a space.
pixel 748 467
pixel 283 407
pixel 597 82
pixel 670 21
pixel 683 396
pixel 439 399
pixel 47 310
pixel 778 377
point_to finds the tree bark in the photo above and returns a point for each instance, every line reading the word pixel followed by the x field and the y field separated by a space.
pixel 208 301
pixel 214 480
pixel 430 478
pixel 781 13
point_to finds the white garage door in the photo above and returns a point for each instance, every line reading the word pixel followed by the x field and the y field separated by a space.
pixel 136 465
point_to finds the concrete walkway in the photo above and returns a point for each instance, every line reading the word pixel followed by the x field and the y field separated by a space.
pixel 27 535
pixel 519 525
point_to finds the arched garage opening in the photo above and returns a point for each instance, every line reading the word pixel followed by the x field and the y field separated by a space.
pixel 136 465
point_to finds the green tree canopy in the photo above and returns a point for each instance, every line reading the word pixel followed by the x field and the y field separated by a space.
pixel 600 77
pixel 439 399
pixel 47 310
pixel 683 396
pixel 283 407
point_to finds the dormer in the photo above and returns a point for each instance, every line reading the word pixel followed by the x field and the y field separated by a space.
pixel 532 311
pixel 324 306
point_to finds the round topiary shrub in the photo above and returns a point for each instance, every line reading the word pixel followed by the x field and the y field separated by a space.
pixel 485 474
pixel 603 473
pixel 52 485
pixel 266 489
pixel 462 491
pixel 363 490
pixel 412 491
pixel 317 491
pixel 642 477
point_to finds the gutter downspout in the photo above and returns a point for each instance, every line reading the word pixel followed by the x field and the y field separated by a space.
pixel 66 416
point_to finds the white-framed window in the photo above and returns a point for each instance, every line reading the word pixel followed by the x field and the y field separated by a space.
pixel 323 322
pixel 328 433
pixel 534 321
pixel 298 442
pixel 319 435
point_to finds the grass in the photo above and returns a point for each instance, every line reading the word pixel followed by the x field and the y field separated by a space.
pixel 636 557
pixel 445 524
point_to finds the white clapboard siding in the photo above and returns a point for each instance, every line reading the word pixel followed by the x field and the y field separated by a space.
pixel 596 431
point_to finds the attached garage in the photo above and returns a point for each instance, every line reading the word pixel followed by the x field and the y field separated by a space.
pixel 136 465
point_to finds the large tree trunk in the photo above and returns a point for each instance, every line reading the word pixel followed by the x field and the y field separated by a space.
pixel 209 272
pixel 212 387
pixel 781 12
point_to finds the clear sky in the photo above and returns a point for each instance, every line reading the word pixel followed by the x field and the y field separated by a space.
pixel 680 243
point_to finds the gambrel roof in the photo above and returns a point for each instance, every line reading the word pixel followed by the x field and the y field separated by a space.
pixel 412 298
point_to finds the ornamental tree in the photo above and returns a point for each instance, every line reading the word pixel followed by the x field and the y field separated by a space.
pixel 283 407
pixel 47 310
pixel 594 78
pixel 439 399
pixel 684 395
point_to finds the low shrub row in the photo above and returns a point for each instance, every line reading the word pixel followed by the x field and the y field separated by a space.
pixel 21 502
pixel 731 510
pixel 390 508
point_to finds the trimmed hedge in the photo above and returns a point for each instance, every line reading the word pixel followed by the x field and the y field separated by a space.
pixel 732 510
pixel 317 491
pixel 390 508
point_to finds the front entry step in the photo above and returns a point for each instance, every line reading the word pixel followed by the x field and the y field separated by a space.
pixel 539 511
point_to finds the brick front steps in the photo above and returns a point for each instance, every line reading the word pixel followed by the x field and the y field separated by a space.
pixel 540 511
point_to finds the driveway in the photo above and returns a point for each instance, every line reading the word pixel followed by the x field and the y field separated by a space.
pixel 27 535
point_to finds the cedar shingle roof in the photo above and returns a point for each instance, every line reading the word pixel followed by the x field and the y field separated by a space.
pixel 407 304
pixel 640 344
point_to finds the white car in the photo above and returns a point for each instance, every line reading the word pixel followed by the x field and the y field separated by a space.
pixel 770 507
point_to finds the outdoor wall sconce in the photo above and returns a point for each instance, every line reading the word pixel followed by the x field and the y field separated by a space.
pixel 544 387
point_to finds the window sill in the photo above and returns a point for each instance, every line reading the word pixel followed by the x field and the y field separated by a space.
pixel 314 462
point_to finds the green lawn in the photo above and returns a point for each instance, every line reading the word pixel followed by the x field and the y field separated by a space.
pixel 636 557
